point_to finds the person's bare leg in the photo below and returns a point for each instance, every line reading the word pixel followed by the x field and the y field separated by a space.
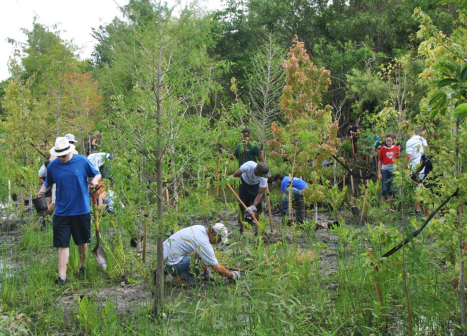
pixel 101 199
pixel 63 256
pixel 390 203
pixel 83 253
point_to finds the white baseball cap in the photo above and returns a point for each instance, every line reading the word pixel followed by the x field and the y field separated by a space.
pixel 70 137
pixel 221 231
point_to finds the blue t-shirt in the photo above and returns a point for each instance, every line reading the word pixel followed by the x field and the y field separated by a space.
pixel 72 193
pixel 296 183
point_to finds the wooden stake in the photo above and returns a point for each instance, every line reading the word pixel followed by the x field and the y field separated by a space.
pixel 204 177
pixel 316 213
pixel 9 193
pixel 343 182
pixel 269 206
pixel 219 175
pixel 364 202
pixel 290 199
pixel 145 239
pixel 22 200
pixel 223 190
pixel 353 188
pixel 353 148
pixel 377 286
pixel 167 196
pixel 267 196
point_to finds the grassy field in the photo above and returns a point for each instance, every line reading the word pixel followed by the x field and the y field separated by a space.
pixel 324 284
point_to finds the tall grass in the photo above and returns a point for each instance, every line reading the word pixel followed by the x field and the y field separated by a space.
pixel 287 288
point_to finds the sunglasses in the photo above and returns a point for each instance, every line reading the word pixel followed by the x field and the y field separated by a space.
pixel 61 156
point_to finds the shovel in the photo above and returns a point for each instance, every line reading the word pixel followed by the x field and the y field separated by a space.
pixel 98 252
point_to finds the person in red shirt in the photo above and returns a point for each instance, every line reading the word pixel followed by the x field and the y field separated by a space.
pixel 386 167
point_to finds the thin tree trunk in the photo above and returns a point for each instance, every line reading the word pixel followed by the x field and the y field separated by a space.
pixel 159 283
pixel 404 274
pixel 461 252
pixel 57 117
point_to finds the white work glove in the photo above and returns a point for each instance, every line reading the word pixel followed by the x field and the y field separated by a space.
pixel 250 210
pixel 235 275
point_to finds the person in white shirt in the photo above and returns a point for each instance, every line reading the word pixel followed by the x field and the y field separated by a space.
pixel 254 178
pixel 414 149
pixel 99 161
pixel 189 250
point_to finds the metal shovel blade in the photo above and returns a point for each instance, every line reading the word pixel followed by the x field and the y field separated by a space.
pixel 100 256
pixel 98 252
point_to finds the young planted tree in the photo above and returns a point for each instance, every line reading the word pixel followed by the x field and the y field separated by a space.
pixel 162 81
pixel 310 136
pixel 265 83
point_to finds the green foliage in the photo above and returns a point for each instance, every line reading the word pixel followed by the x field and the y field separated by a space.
pixel 48 95
pixel 89 316
pixel 335 197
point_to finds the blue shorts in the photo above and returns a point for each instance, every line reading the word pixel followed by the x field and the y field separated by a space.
pixel 78 227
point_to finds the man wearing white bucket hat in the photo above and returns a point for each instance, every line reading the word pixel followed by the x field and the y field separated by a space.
pixel 72 216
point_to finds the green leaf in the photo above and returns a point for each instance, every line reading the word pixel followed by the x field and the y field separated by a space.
pixel 461 110
pixel 451 68
pixel 463 76
pixel 448 2
pixel 433 113
pixel 436 97
pixel 446 81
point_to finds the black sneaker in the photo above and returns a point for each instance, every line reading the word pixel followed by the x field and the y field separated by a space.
pixel 60 282
pixel 82 272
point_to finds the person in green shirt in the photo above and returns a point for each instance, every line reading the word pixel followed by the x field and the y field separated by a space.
pixel 247 151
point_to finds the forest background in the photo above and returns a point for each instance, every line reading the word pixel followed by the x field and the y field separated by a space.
pixel 367 46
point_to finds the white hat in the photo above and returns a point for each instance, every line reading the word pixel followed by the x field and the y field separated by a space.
pixel 70 137
pixel 221 231
pixel 62 147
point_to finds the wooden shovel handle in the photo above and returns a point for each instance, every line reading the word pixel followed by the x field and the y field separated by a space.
pixel 241 202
